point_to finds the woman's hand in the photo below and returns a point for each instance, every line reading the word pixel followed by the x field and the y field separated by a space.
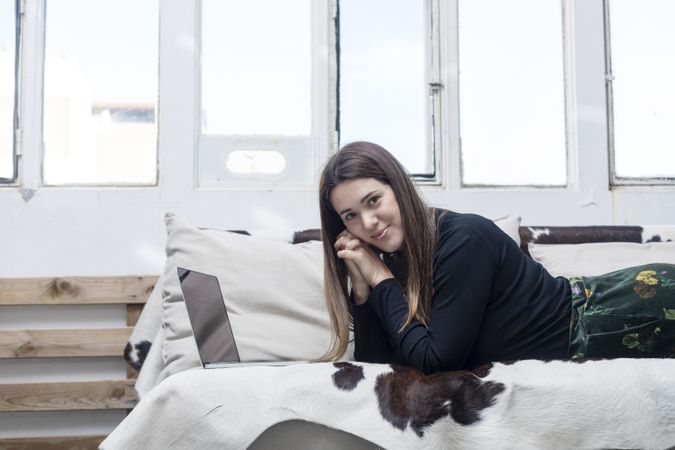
pixel 364 267
pixel 360 287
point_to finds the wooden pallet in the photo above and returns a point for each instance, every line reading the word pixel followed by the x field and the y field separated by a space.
pixel 91 343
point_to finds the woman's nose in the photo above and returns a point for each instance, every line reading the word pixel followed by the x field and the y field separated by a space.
pixel 370 221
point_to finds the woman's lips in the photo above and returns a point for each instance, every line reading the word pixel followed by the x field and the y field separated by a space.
pixel 381 234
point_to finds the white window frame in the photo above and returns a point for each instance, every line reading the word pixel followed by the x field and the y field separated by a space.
pixel 571 179
pixel 303 154
pixel 16 131
pixel 615 179
pixel 589 196
pixel 29 132
pixel 433 100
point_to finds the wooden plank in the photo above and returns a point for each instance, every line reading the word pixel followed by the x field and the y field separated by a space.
pixel 132 373
pixel 76 290
pixel 63 343
pixel 85 395
pixel 133 313
pixel 52 443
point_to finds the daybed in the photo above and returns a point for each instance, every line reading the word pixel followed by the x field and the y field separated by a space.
pixel 272 285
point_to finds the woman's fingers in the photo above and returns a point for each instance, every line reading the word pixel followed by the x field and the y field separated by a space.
pixel 357 255
pixel 345 233
pixel 341 243
pixel 367 264
pixel 347 242
pixel 347 254
pixel 352 244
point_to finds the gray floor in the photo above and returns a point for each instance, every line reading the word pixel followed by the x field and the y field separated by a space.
pixel 300 435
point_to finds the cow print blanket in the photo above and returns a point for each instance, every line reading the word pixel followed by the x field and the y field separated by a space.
pixel 617 403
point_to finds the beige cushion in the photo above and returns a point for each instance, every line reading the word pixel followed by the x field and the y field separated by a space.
pixel 510 225
pixel 273 292
pixel 598 258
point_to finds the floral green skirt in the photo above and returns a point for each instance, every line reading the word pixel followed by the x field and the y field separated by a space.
pixel 629 313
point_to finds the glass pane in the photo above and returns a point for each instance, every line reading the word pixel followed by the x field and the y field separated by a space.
pixel 256 161
pixel 512 96
pixel 256 67
pixel 100 88
pixel 7 52
pixel 383 82
pixel 642 48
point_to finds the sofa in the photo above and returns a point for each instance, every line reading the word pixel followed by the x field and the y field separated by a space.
pixel 271 281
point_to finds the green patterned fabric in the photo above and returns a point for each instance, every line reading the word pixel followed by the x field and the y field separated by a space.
pixel 629 313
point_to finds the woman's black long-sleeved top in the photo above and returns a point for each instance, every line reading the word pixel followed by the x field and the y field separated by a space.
pixel 490 303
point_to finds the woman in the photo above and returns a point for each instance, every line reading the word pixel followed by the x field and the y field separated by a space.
pixel 438 290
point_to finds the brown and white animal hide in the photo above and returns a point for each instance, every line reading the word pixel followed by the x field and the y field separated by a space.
pixel 619 403
pixel 599 233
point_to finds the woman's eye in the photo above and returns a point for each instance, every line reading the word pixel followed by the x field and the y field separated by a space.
pixel 373 200
pixel 349 216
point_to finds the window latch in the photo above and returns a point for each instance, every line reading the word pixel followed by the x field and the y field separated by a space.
pixel 435 87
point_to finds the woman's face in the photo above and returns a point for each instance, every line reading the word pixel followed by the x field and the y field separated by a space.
pixel 370 212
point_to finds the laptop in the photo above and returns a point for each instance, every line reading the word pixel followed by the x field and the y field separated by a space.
pixel 211 324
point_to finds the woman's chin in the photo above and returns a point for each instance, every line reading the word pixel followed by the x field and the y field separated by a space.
pixel 387 245
pixel 384 248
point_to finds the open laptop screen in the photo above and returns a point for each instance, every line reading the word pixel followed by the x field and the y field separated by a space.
pixel 208 317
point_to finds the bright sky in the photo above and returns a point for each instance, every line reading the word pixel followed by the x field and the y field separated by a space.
pixel 116 47
pixel 256 67
pixel 383 90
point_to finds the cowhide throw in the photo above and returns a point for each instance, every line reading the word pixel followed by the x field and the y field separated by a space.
pixel 618 403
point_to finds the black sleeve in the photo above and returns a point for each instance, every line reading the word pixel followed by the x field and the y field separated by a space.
pixel 371 342
pixel 463 271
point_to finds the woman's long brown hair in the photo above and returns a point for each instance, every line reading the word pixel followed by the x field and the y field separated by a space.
pixel 368 160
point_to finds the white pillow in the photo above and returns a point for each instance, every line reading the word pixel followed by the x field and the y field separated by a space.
pixel 152 367
pixel 510 225
pixel 599 258
pixel 273 292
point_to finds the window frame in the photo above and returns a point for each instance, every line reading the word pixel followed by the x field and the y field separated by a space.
pixel 92 184
pixel 588 194
pixel 433 99
pixel 29 105
pixel 567 52
pixel 319 144
pixel 16 129
pixel 617 181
